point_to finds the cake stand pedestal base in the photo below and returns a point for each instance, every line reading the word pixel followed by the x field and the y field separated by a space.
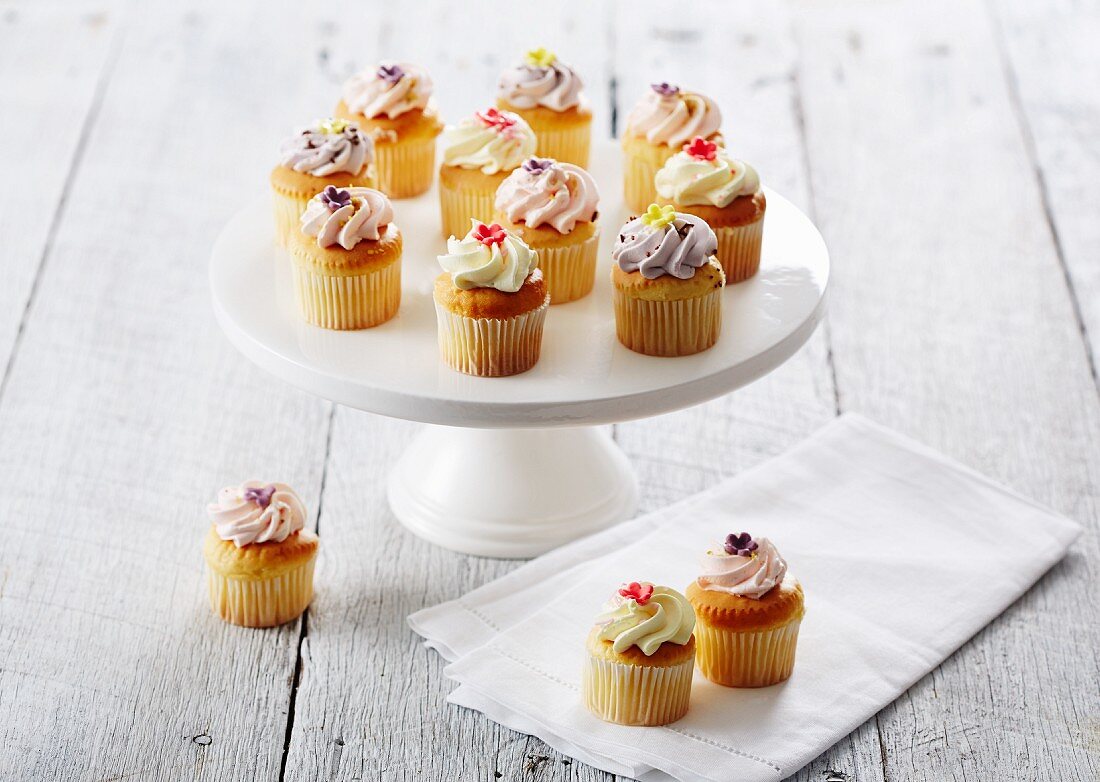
pixel 511 493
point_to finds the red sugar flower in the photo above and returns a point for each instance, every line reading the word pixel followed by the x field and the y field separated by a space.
pixel 489 234
pixel 701 149
pixel 639 593
pixel 492 118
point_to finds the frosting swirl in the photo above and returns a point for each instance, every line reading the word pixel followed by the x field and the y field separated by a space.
pixel 389 90
pixel 667 115
pixel 332 146
pixel 491 140
pixel 749 574
pixel 488 257
pixel 689 180
pixel 653 247
pixel 541 80
pixel 545 191
pixel 346 217
pixel 255 512
pixel 664 615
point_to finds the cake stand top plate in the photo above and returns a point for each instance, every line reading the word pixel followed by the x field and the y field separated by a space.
pixel 584 375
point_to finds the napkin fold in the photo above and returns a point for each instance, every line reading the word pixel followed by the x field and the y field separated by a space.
pixel 903 554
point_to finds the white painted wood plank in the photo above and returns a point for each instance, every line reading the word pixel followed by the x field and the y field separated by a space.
pixel 951 321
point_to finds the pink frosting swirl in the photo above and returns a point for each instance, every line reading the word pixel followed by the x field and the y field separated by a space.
pixel 347 216
pixel 257 512
pixel 669 116
pixel 389 90
pixel 545 191
pixel 555 86
pixel 751 576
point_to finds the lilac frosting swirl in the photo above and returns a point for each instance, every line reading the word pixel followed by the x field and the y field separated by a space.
pixel 676 249
pixel 555 86
pixel 545 191
pixel 330 147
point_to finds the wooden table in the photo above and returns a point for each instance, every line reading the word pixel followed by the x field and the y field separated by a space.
pixel 946 148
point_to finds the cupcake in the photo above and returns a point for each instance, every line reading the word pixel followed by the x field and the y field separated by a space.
pixel 658 126
pixel 332 152
pixel 490 303
pixel 347 259
pixel 259 557
pixel 749 611
pixel 547 94
pixel 667 284
pixel 641 655
pixel 703 180
pixel 393 103
pixel 551 206
pixel 478 154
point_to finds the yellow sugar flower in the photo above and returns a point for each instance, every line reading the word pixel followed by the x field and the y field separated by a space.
pixel 659 216
pixel 541 57
pixel 332 125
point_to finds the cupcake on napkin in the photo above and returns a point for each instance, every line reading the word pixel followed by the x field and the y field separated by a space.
pixel 259 555
pixel 749 610
pixel 641 655
pixel 547 93
pixel 552 207
pixel 658 126
pixel 393 103
pixel 478 154
pixel 331 153
pixel 702 179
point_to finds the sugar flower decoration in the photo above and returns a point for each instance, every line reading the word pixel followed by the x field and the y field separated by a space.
pixel 540 57
pixel 260 496
pixel 335 198
pixel 740 545
pixel 390 73
pixel 332 125
pixel 537 165
pixel 666 89
pixel 497 120
pixel 659 216
pixel 489 235
pixel 639 593
pixel 701 149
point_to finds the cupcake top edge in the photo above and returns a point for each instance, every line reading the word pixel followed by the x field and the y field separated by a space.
pixel 491 140
pixel 662 242
pixel 668 115
pixel 488 256
pixel 388 90
pixel 329 146
pixel 541 79
pixel 645 615
pixel 543 190
pixel 703 173
pixel 257 512
pixel 742 566
pixel 346 216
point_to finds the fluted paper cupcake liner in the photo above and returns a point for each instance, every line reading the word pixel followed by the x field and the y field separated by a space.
pixel 668 328
pixel 739 250
pixel 746 659
pixel 566 144
pixel 262 602
pixel 405 168
pixel 637 694
pixel 288 215
pixel 570 271
pixel 489 347
pixel 459 206
pixel 356 301
pixel 639 169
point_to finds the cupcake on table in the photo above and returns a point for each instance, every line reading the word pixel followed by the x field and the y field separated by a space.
pixel 749 611
pixel 333 152
pixel 552 207
pixel 490 303
pixel 667 284
pixel 547 93
pixel 393 103
pixel 347 259
pixel 259 555
pixel 641 655
pixel 702 179
pixel 478 154
pixel 658 126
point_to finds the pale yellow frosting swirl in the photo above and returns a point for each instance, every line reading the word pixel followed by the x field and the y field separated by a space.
pixel 667 616
pixel 492 141
pixel 688 181
pixel 473 263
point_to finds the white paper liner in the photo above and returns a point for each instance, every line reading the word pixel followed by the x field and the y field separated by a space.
pixel 262 602
pixel 570 270
pixel 639 171
pixel 288 213
pixel 489 347
pixel 739 250
pixel 567 144
pixel 353 302
pixel 754 658
pixel 459 206
pixel 668 328
pixel 637 694
pixel 405 168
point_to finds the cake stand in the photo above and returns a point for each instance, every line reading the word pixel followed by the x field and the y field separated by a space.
pixel 514 466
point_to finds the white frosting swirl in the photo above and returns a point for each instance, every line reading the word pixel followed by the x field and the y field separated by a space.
pixel 256 512
pixel 364 217
pixel 331 147
pixel 555 86
pixel 389 90
pixel 666 617
pixel 492 141
pixel 752 576
pixel 544 191
pixel 687 180
pixel 502 265
pixel 673 118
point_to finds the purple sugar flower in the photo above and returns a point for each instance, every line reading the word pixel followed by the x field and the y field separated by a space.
pixel 390 73
pixel 261 497
pixel 740 545
pixel 666 89
pixel 537 165
pixel 334 198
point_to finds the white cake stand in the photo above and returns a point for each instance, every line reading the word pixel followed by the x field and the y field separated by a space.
pixel 514 466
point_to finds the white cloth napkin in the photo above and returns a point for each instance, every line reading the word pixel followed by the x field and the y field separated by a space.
pixel 903 555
